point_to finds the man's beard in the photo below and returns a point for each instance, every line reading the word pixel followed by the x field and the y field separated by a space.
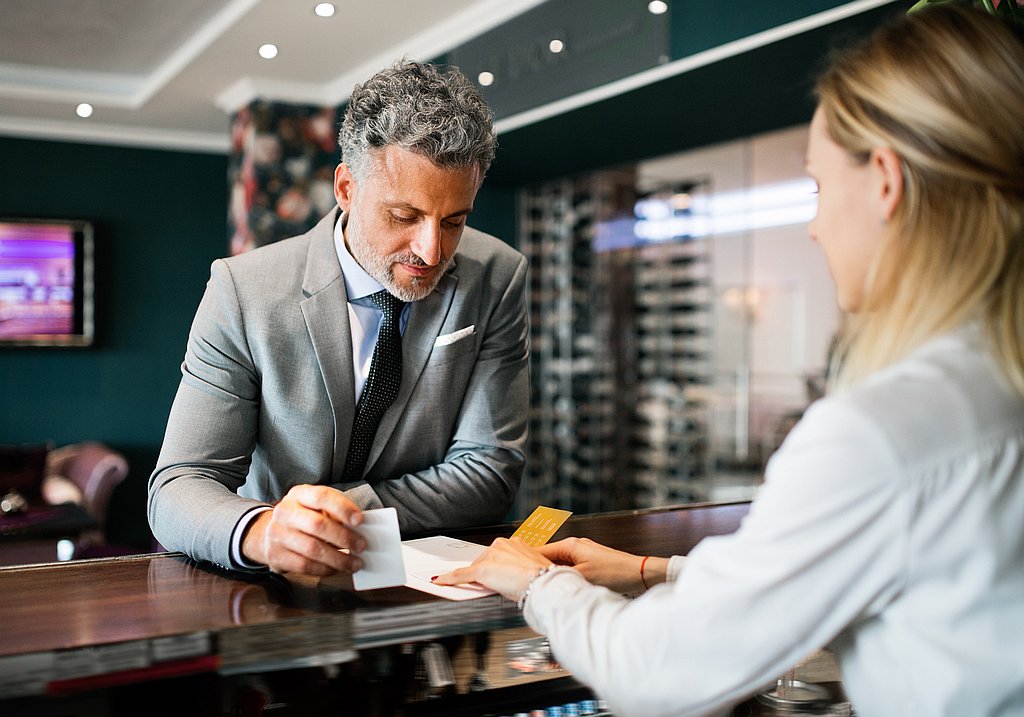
pixel 380 268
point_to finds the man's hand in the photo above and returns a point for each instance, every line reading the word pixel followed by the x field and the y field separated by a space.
pixel 306 532
pixel 606 566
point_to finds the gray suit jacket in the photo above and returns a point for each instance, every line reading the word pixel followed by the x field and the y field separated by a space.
pixel 266 399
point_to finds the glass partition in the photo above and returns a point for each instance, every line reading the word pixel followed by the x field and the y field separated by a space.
pixel 680 319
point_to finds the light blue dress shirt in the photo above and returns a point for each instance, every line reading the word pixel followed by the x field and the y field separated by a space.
pixel 364 316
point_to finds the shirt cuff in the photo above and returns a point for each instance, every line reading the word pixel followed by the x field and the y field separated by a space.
pixel 237 558
pixel 553 587
pixel 675 566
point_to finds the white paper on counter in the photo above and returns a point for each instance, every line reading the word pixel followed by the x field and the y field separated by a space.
pixel 427 557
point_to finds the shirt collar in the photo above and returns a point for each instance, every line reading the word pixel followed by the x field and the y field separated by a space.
pixel 358 284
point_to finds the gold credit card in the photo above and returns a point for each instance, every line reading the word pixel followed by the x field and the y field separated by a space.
pixel 541 525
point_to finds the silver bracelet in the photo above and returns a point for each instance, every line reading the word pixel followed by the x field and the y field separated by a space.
pixel 521 603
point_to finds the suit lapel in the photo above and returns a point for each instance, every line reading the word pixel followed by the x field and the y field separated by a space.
pixel 325 310
pixel 426 317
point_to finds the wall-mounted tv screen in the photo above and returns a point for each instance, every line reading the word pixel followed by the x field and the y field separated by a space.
pixel 46 282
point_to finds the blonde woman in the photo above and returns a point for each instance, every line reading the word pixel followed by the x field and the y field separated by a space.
pixel 890 527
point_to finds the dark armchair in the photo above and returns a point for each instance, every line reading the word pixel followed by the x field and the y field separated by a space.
pixel 85 473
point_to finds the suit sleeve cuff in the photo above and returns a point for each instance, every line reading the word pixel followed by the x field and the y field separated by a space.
pixel 237 559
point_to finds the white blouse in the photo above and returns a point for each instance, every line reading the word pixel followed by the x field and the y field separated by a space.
pixel 890 529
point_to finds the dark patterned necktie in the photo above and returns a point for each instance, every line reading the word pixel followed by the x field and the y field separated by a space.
pixel 381 385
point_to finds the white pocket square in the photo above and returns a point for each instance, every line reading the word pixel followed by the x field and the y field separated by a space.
pixel 446 339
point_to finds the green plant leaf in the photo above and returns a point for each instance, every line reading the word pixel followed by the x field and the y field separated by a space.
pixel 1007 8
pixel 921 4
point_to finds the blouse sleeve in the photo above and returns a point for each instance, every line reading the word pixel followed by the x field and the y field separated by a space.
pixel 820 548
pixel 675 567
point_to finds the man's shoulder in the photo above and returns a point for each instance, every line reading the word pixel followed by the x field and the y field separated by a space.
pixel 479 246
pixel 268 273
pixel 269 254
pixel 291 251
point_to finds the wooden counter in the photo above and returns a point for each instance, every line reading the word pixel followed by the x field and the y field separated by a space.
pixel 89 625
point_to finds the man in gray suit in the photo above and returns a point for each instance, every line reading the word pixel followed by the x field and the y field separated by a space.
pixel 262 463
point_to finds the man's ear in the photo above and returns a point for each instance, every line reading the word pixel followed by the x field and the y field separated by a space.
pixel 889 170
pixel 344 186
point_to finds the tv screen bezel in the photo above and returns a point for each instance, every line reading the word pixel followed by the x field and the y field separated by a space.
pixel 83 322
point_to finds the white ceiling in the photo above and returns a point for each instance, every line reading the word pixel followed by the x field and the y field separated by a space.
pixel 168 73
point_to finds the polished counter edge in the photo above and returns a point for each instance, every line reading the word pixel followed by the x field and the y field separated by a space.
pixel 320 623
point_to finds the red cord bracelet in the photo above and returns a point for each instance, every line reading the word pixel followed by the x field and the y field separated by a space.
pixel 642 563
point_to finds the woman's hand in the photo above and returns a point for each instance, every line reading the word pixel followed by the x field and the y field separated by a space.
pixel 606 566
pixel 507 566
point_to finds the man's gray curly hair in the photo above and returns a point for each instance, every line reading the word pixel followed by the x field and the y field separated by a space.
pixel 433 111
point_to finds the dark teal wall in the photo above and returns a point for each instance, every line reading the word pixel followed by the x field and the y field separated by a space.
pixel 696 25
pixel 159 221
pixel 494 211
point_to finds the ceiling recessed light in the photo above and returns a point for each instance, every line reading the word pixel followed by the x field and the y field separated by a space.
pixel 657 7
pixel 84 110
pixel 268 51
pixel 556 46
pixel 485 78
pixel 324 9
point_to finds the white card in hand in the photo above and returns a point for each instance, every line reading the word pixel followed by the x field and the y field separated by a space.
pixel 383 566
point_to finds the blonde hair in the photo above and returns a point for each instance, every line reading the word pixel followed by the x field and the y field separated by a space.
pixel 944 89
